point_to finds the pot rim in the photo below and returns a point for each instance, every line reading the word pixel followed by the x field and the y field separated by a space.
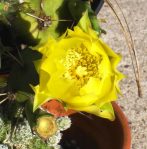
pixel 125 126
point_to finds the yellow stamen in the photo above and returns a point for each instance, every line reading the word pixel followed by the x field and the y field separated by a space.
pixel 81 65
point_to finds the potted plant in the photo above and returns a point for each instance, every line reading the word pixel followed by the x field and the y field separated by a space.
pixel 56 70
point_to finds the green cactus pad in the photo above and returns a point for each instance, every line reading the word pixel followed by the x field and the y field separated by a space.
pixel 56 16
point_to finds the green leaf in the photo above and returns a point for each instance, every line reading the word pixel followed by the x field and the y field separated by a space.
pixel 4 48
pixel 29 114
pixel 94 22
pixel 23 34
pixel 84 22
pixel 4 19
pixel 21 76
pixel 30 55
pixel 78 8
pixel 56 9
pixel 22 96
pixel 3 81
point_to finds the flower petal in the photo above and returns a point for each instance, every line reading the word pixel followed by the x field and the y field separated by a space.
pixel 40 97
pixel 106 111
pixel 114 59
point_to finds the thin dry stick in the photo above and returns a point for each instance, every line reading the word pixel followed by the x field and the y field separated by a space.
pixel 3 100
pixel 62 20
pixel 130 46
pixel 134 51
pixel 85 115
pixel 36 17
pixel 3 94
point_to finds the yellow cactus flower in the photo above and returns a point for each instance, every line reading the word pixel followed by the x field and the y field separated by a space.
pixel 79 69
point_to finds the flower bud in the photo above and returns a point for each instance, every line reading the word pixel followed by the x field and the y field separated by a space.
pixel 46 126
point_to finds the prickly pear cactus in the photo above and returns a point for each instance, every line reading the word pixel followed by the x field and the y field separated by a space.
pixel 35 20
pixel 44 18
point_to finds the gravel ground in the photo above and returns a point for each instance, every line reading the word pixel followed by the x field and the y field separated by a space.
pixel 134 107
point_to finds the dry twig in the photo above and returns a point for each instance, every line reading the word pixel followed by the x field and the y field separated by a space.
pixel 129 39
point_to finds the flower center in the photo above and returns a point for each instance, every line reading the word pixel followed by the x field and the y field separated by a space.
pixel 80 65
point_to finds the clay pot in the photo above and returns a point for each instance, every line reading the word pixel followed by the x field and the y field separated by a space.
pixel 97 133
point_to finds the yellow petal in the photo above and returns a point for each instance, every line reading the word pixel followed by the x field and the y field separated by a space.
pixel 61 88
pixel 106 111
pixel 114 59
pixel 44 78
pixel 90 93
pixel 48 45
pixel 110 96
pixel 81 101
pixel 78 33
pixel 40 97
pixel 70 43
pixel 97 87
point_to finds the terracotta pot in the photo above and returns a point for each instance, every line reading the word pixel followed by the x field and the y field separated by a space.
pixel 98 133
